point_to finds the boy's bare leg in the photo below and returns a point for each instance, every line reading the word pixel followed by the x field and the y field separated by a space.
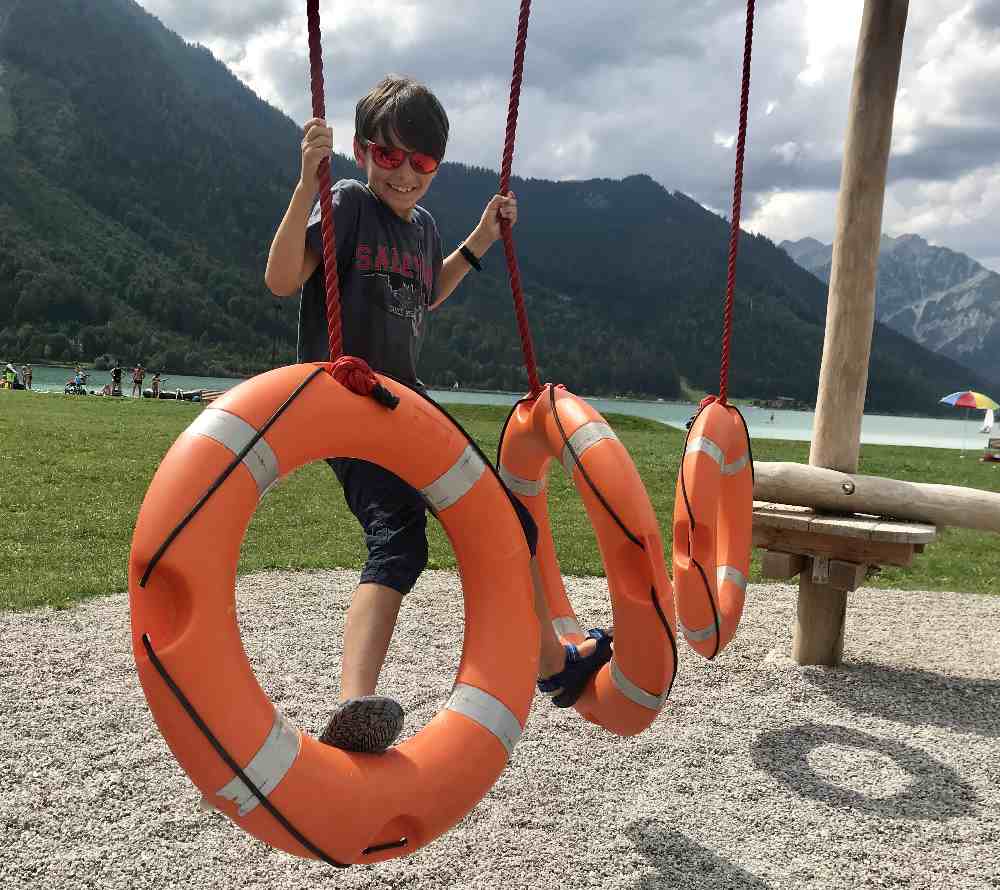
pixel 362 720
pixel 371 619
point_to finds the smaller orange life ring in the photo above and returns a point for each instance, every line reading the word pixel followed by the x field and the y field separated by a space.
pixel 713 518
pixel 627 693
pixel 250 762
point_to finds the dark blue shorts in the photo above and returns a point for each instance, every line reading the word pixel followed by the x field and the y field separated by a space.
pixel 393 516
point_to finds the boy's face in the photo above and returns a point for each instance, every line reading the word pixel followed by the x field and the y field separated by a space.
pixel 401 188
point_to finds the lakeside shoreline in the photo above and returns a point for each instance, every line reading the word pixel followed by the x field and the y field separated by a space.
pixel 739 401
pixel 946 430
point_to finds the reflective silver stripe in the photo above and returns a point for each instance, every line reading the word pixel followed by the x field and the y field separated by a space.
pixel 456 482
pixel 488 712
pixel 737 465
pixel 527 487
pixel 634 693
pixel 268 766
pixel 235 433
pixel 734 576
pixel 707 446
pixel 565 627
pixel 589 434
pixel 699 636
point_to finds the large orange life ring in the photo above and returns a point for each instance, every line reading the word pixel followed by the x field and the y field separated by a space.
pixel 313 800
pixel 713 528
pixel 627 693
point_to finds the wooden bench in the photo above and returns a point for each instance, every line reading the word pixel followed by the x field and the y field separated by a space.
pixel 832 555
pixel 992 453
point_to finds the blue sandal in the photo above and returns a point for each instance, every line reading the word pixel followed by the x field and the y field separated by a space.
pixel 570 682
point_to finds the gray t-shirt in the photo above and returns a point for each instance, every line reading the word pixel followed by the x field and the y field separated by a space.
pixel 388 270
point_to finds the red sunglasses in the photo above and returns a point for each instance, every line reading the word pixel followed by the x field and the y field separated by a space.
pixel 389 158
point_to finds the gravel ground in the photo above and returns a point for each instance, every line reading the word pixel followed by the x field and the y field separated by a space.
pixel 759 774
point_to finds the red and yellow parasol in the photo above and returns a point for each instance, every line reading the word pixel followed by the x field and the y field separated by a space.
pixel 969 399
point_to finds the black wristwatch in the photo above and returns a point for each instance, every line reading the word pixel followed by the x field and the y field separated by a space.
pixel 470 258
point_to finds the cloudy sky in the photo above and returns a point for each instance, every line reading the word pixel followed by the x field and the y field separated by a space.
pixel 652 86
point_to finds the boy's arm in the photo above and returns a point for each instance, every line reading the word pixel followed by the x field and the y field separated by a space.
pixel 290 262
pixel 455 267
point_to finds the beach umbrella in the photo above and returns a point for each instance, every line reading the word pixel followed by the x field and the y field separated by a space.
pixel 968 399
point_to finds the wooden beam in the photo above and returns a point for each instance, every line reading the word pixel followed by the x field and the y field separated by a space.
pixel 836 573
pixel 822 489
pixel 858 550
pixel 850 314
pixel 846 575
pixel 781 566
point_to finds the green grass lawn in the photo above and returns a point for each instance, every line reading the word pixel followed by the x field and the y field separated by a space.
pixel 74 471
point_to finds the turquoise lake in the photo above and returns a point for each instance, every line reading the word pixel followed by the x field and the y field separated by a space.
pixel 958 433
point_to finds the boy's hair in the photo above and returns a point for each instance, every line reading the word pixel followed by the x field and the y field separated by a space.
pixel 403 110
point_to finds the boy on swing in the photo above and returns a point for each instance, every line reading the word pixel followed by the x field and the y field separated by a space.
pixel 392 273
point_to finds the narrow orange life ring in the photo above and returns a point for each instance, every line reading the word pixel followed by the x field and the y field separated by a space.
pixel 313 800
pixel 713 519
pixel 629 691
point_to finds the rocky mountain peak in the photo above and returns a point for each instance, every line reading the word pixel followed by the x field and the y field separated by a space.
pixel 938 297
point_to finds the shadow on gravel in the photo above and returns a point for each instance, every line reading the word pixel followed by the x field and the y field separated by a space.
pixel 683 863
pixel 935 793
pixel 917 698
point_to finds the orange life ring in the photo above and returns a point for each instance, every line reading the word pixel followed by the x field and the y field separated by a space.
pixel 628 692
pixel 315 800
pixel 713 528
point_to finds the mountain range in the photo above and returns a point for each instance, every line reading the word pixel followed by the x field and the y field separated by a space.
pixel 938 297
pixel 141 183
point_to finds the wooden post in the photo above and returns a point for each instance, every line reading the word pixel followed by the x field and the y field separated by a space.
pixel 850 314
pixel 819 626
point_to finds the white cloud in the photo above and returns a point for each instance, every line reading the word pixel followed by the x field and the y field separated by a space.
pixel 793 215
pixel 831 31
pixel 787 151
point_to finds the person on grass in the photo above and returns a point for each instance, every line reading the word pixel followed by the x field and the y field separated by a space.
pixel 392 272
pixel 138 375
pixel 116 380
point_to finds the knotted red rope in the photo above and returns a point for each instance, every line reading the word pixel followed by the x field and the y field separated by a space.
pixel 734 234
pixel 505 228
pixel 355 374
pixel 350 371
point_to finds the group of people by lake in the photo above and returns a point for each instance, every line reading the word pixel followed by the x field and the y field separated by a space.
pixel 14 379
pixel 138 376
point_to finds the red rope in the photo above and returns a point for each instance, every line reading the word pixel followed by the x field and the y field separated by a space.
pixel 734 235
pixel 350 371
pixel 325 200
pixel 505 229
